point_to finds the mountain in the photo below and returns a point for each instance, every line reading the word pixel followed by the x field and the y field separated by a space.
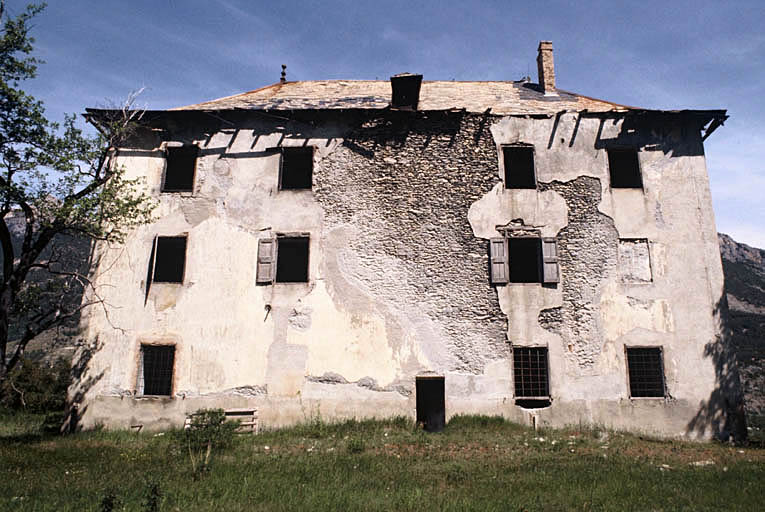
pixel 744 269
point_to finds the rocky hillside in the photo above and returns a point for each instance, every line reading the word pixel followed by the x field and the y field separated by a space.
pixel 744 269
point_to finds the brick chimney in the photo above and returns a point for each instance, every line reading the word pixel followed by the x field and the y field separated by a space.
pixel 546 68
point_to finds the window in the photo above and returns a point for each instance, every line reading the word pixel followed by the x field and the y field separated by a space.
pixel 646 372
pixel 519 166
pixel 155 376
pixel 523 260
pixel 525 256
pixel 624 168
pixel 169 259
pixel 530 372
pixel 179 171
pixel 431 408
pixel 634 260
pixel 283 259
pixel 296 171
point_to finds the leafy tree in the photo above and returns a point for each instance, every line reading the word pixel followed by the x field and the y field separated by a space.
pixel 55 183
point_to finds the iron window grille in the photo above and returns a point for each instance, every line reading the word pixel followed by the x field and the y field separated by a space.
pixel 157 369
pixel 646 372
pixel 530 369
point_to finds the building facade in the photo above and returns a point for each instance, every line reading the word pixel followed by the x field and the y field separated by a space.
pixel 419 248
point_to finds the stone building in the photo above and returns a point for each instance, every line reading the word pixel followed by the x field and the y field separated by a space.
pixel 420 248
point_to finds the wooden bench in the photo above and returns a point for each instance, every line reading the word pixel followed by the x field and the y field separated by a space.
pixel 248 420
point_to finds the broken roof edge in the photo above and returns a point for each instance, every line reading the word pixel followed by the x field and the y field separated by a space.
pixel 709 119
pixel 622 110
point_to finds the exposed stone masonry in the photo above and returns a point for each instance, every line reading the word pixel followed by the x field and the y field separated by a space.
pixel 587 255
pixel 405 182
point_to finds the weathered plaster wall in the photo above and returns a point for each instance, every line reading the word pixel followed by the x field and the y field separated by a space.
pixel 399 217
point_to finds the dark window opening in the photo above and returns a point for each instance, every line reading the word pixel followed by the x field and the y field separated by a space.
pixel 431 404
pixel 525 259
pixel 296 168
pixel 646 372
pixel 179 172
pixel 624 168
pixel 292 260
pixel 531 374
pixel 170 259
pixel 158 369
pixel 533 404
pixel 519 167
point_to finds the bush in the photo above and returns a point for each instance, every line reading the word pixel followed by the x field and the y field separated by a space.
pixel 208 431
pixel 34 386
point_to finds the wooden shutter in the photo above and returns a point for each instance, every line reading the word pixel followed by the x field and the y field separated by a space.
pixel 150 271
pixel 266 269
pixel 550 272
pixel 500 268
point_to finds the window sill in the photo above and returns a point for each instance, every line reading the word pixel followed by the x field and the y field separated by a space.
pixel 182 193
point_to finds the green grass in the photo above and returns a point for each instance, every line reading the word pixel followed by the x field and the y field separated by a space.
pixel 477 463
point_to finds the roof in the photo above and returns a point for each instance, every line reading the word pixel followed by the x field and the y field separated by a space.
pixel 499 98
pixel 503 98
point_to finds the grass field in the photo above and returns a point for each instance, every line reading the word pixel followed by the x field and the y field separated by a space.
pixel 477 463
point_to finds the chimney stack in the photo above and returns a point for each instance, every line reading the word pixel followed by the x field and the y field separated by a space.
pixel 546 68
pixel 406 91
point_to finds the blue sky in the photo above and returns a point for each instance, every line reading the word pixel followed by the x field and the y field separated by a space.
pixel 671 55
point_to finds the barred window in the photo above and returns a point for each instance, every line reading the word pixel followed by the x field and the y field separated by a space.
pixel 531 373
pixel 156 376
pixel 646 372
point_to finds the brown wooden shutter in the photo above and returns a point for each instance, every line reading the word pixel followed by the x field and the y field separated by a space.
pixel 150 271
pixel 550 272
pixel 266 269
pixel 500 268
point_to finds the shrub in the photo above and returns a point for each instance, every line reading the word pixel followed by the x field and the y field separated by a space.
pixel 34 386
pixel 208 431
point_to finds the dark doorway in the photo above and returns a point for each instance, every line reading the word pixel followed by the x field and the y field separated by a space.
pixel 431 405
